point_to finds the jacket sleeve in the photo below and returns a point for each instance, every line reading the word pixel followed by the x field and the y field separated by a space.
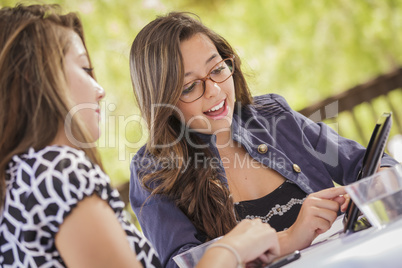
pixel 341 157
pixel 162 222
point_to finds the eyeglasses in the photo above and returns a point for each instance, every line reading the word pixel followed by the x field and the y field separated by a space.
pixel 195 89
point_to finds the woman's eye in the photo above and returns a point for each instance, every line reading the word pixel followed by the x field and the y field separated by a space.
pixel 188 88
pixel 88 70
pixel 218 70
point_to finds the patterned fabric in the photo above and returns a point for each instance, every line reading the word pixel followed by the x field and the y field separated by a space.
pixel 279 208
pixel 42 189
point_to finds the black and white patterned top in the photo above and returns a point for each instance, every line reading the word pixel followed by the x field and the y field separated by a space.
pixel 42 189
pixel 279 208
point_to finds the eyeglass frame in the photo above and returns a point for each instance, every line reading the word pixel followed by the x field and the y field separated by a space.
pixel 208 76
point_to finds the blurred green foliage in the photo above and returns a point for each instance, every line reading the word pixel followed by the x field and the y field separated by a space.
pixel 304 50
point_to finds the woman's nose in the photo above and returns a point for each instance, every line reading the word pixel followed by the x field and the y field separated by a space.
pixel 100 92
pixel 212 88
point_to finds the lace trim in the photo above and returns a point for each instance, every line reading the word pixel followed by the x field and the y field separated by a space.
pixel 278 210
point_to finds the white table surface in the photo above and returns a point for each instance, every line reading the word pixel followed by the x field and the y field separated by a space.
pixel 368 248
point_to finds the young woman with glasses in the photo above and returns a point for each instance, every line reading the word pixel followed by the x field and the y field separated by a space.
pixel 216 155
pixel 57 207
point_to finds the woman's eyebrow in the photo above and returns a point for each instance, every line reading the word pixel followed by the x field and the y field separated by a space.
pixel 211 58
pixel 206 62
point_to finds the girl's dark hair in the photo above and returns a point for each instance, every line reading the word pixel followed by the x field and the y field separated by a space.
pixel 34 94
pixel 157 75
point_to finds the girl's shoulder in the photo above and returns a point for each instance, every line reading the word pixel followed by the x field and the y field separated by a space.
pixel 43 188
pixel 55 157
pixel 144 160
pixel 54 165
pixel 268 105
pixel 271 101
pixel 57 175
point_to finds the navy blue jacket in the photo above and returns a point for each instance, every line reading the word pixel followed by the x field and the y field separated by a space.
pixel 310 154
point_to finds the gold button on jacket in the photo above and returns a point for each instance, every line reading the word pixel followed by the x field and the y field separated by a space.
pixel 296 168
pixel 262 148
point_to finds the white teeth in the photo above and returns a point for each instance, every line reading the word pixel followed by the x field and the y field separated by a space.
pixel 217 107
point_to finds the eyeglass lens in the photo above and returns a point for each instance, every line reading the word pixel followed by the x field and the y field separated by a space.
pixel 218 74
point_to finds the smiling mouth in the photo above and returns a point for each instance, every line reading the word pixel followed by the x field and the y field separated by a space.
pixel 217 109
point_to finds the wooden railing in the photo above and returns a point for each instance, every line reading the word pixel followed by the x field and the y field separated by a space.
pixel 383 92
pixel 363 104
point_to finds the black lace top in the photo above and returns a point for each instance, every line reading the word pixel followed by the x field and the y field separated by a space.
pixel 278 208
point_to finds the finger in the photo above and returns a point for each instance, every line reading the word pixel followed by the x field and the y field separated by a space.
pixel 330 193
pixel 322 203
pixel 268 257
pixel 264 258
pixel 252 222
pixel 328 215
pixel 346 203
pixel 340 200
pixel 321 218
pixel 271 254
pixel 321 225
pixel 273 249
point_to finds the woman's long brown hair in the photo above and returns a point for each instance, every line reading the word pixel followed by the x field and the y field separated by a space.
pixel 157 74
pixel 34 98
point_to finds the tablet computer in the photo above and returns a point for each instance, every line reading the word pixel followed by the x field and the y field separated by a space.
pixel 371 163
